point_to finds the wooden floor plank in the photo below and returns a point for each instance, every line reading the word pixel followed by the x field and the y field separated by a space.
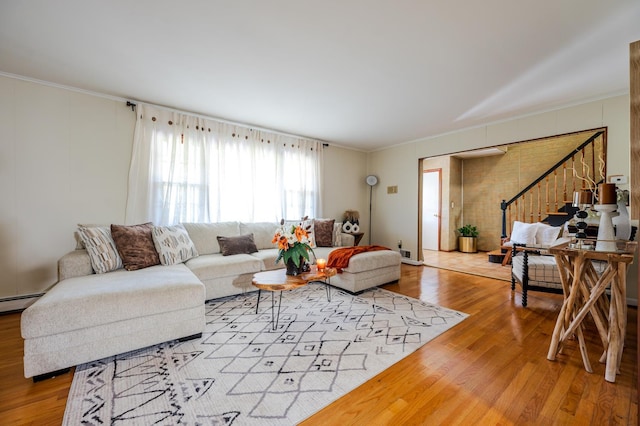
pixel 489 369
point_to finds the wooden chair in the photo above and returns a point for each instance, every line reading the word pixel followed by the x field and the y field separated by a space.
pixel 534 270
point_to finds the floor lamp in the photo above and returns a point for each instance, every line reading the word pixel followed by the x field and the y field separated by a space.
pixel 371 181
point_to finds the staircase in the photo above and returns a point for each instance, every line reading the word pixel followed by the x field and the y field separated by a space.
pixel 549 198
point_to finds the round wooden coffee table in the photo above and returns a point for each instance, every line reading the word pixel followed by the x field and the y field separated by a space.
pixel 278 280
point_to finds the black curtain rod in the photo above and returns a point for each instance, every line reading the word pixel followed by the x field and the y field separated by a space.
pixel 132 105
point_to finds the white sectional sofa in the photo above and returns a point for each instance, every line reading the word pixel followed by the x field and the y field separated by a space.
pixel 88 316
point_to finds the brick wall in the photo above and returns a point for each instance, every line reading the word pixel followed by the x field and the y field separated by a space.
pixel 489 180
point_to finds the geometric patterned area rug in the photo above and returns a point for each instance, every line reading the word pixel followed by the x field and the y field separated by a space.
pixel 242 372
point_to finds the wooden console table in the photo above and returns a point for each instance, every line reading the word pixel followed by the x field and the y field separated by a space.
pixel 584 292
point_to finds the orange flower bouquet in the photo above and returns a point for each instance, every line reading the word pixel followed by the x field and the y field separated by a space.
pixel 294 247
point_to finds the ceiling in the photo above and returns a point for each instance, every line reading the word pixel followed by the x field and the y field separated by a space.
pixel 363 74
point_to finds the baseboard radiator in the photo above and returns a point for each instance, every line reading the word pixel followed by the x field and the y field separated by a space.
pixel 17 303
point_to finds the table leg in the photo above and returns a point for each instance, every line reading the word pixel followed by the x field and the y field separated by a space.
pixel 273 327
pixel 614 338
pixel 566 311
pixel 557 331
pixel 622 313
pixel 274 317
pixel 616 324
pixel 279 304
pixel 583 350
pixel 326 286
pixel 258 302
pixel 596 292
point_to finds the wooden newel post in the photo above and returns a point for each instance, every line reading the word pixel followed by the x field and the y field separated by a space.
pixel 503 206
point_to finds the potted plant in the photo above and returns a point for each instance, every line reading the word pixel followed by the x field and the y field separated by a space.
pixel 293 247
pixel 468 239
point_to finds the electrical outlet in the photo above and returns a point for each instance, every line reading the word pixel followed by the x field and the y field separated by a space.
pixel 392 189
pixel 621 179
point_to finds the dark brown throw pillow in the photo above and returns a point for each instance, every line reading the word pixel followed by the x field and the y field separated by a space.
pixel 242 244
pixel 323 229
pixel 135 245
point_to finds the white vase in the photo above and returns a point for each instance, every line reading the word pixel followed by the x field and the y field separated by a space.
pixel 606 234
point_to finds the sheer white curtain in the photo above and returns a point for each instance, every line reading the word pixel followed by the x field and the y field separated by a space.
pixel 189 169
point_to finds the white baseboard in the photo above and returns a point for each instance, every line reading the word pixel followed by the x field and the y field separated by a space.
pixel 18 303
pixel 411 261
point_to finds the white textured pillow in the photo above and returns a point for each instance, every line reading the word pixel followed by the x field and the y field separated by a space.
pixel 78 238
pixel 547 234
pixel 101 248
pixel 337 234
pixel 173 244
pixel 524 233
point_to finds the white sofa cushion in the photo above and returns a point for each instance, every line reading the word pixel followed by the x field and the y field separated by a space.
pixel 372 260
pixel 211 266
pixel 268 258
pixel 204 235
pixel 110 298
pixel 263 233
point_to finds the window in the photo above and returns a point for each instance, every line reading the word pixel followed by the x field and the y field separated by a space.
pixel 188 169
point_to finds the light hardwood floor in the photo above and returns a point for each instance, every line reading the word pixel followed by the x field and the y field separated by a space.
pixel 469 263
pixel 490 369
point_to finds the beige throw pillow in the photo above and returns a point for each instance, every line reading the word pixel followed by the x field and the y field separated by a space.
pixel 100 247
pixel 173 244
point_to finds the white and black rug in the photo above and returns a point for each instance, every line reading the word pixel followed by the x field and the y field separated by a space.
pixel 241 372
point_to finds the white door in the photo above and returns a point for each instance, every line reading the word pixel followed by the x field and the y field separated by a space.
pixel 431 210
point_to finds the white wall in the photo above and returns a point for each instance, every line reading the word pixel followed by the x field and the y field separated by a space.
pixel 344 186
pixel 397 214
pixel 64 160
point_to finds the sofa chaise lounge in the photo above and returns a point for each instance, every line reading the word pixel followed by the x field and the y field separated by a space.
pixel 87 316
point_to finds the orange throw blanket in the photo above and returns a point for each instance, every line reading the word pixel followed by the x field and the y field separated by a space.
pixel 339 258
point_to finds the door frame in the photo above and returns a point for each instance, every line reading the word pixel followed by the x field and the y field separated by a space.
pixel 420 212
